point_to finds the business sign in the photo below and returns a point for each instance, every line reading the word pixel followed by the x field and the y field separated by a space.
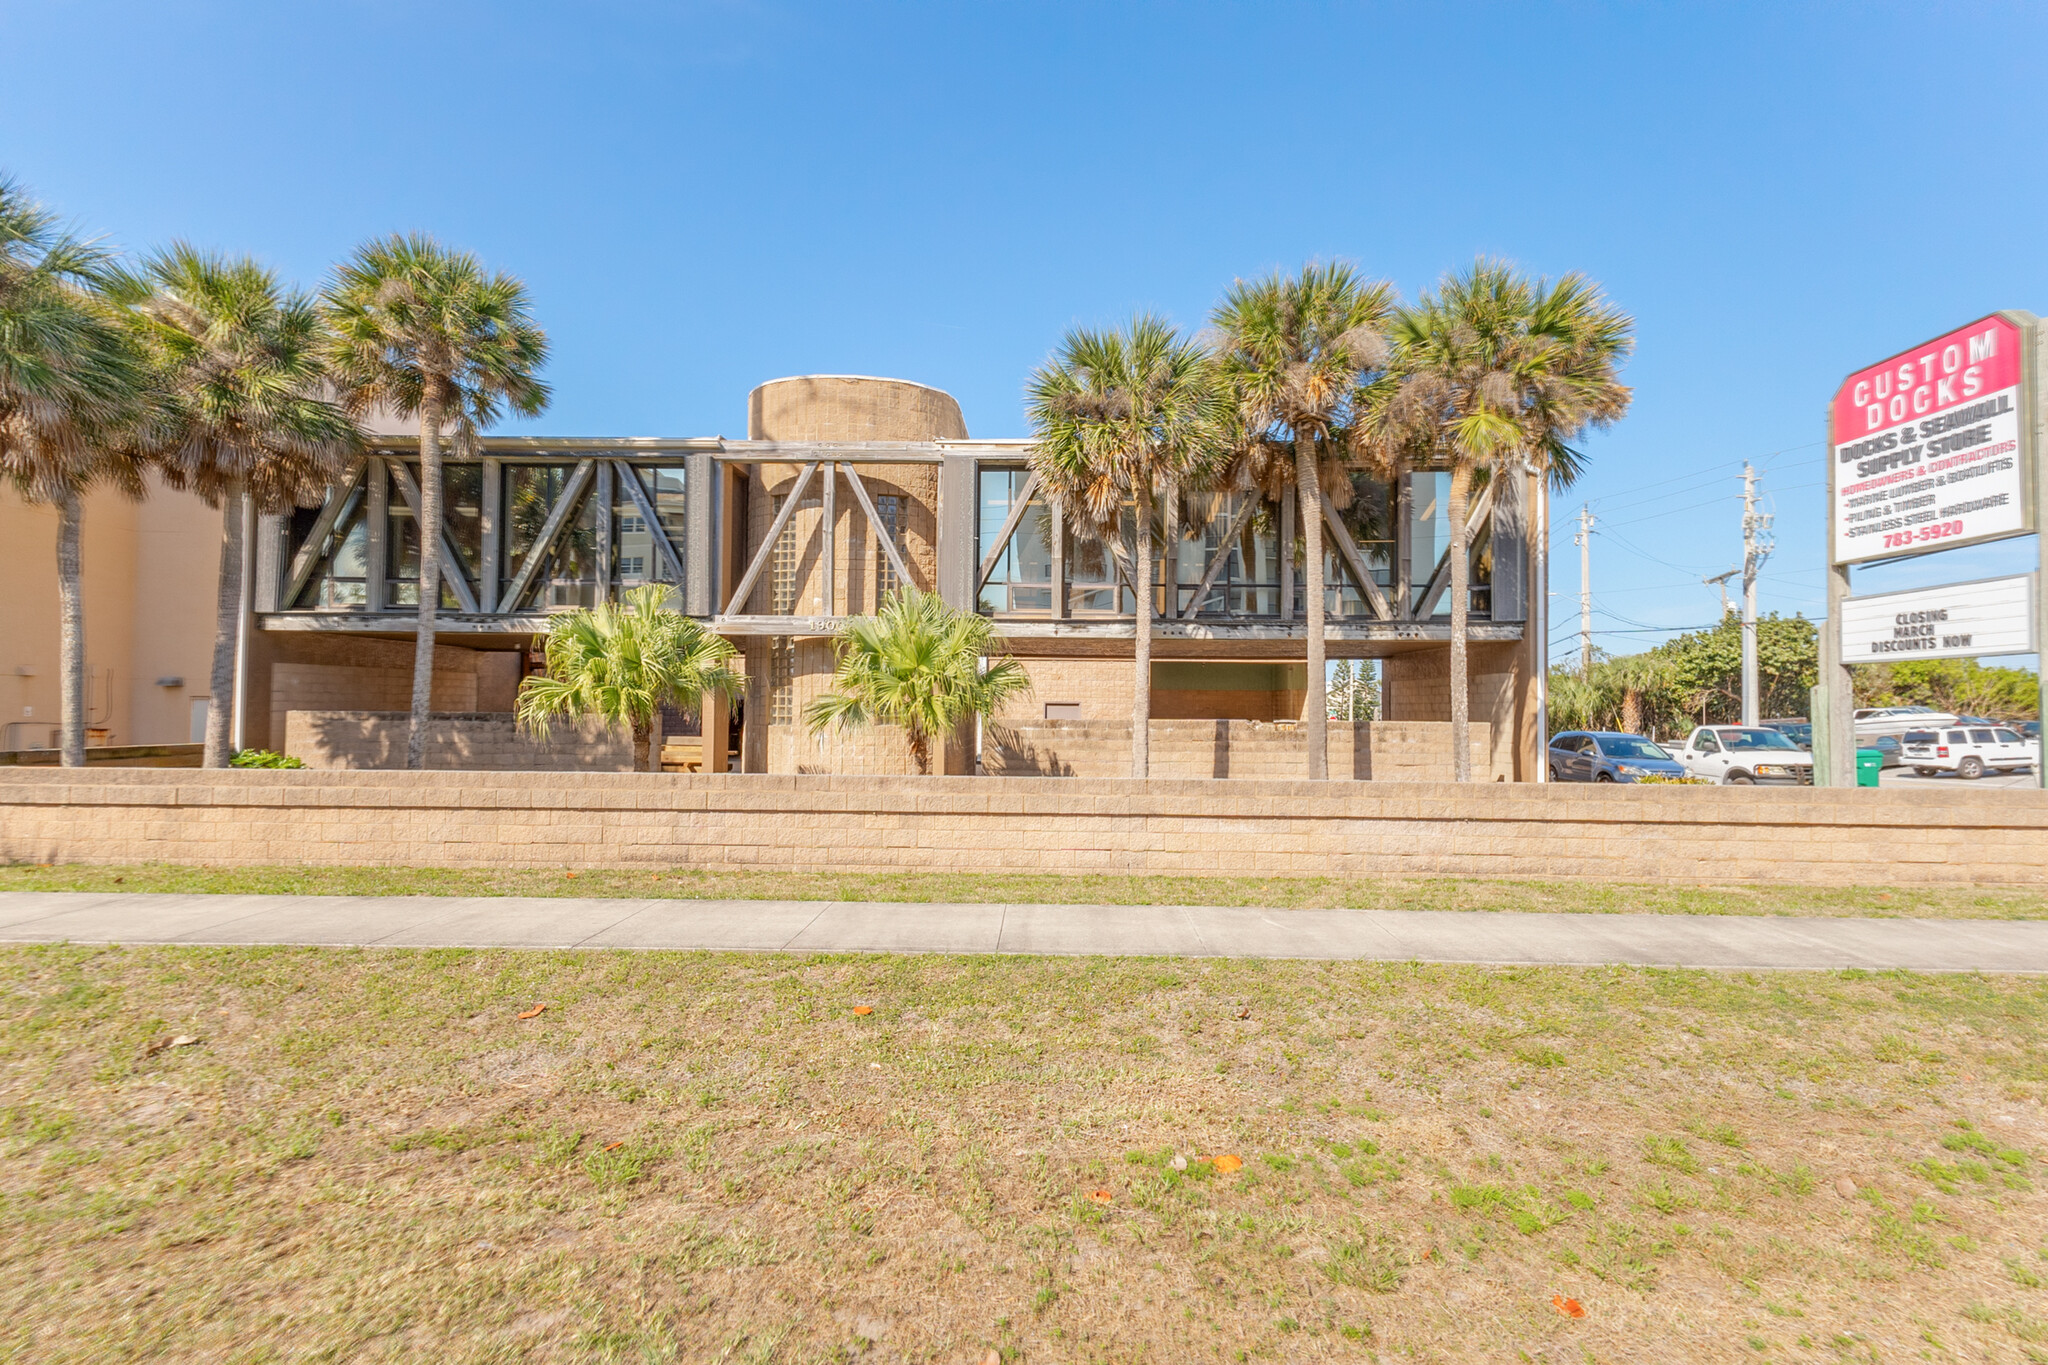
pixel 1959 621
pixel 1933 448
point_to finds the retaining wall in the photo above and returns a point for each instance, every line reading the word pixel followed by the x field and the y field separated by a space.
pixel 1376 751
pixel 1956 834
pixel 478 740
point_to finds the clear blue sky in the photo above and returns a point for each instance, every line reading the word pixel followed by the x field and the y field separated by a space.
pixel 702 197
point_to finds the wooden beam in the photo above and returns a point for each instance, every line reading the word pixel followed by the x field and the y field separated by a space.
pixel 605 498
pixel 1222 555
pixel 645 506
pixel 558 516
pixel 377 534
pixel 1017 510
pixel 1349 549
pixel 451 566
pixel 828 541
pixel 315 549
pixel 1441 579
pixel 882 536
pixel 767 548
pixel 493 497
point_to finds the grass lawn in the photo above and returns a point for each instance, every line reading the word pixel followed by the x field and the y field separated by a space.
pixel 367 1156
pixel 1286 893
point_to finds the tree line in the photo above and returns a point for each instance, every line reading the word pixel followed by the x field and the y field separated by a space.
pixel 1300 379
pixel 213 374
pixel 1696 679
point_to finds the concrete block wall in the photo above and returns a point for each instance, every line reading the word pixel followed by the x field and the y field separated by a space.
pixel 1956 835
pixel 477 741
pixel 1376 751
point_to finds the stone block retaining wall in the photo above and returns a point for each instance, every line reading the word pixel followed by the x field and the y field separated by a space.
pixel 1955 834
pixel 1376 751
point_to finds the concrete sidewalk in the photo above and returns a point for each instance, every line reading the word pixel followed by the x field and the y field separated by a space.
pixel 1719 941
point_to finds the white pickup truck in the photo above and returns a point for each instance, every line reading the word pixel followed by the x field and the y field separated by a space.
pixel 1742 755
pixel 1968 751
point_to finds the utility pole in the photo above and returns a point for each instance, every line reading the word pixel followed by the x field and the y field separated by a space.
pixel 1720 580
pixel 1585 544
pixel 1756 548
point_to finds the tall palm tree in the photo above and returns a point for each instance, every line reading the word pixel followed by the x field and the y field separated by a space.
pixel 74 398
pixel 917 664
pixel 1294 351
pixel 1132 415
pixel 622 663
pixel 1494 372
pixel 425 332
pixel 237 359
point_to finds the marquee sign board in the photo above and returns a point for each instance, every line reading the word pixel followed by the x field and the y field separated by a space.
pixel 1957 621
pixel 1934 447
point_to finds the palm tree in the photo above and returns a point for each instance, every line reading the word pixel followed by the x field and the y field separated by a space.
pixel 622 663
pixel 1293 352
pixel 237 360
pixel 1127 416
pixel 73 399
pixel 425 332
pixel 917 663
pixel 1494 373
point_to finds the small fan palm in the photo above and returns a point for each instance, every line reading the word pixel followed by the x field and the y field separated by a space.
pixel 74 402
pixel 236 359
pixel 1128 415
pixel 1495 370
pixel 621 663
pixel 426 332
pixel 916 664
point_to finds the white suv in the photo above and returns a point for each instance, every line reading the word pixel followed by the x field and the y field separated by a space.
pixel 1968 751
pixel 1742 755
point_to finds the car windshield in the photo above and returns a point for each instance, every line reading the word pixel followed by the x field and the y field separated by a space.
pixel 1798 733
pixel 1744 741
pixel 1628 746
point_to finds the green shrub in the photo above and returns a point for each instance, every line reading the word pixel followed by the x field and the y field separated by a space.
pixel 264 758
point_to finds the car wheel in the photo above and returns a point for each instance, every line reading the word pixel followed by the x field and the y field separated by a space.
pixel 1926 772
pixel 1555 775
pixel 1738 780
pixel 1604 777
pixel 1971 768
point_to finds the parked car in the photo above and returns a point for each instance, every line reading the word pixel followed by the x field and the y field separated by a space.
pixel 1888 745
pixel 2028 729
pixel 1608 756
pixel 1800 732
pixel 1741 756
pixel 1970 751
pixel 1896 720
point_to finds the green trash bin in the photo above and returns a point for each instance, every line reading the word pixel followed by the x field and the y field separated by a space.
pixel 1869 763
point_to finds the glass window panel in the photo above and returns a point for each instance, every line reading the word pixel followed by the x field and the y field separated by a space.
pixel 666 487
pixel 340 583
pixel 1248 583
pixel 1021 579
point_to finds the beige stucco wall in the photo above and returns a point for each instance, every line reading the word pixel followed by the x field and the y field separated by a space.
pixel 149 574
pixel 1956 835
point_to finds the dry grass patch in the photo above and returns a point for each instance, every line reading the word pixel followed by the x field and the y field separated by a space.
pixel 1283 893
pixel 368 1156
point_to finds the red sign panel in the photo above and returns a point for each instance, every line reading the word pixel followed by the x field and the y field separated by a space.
pixel 1928 446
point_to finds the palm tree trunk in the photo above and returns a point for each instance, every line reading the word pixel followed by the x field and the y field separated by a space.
pixel 655 740
pixel 921 752
pixel 70 634
pixel 430 584
pixel 227 621
pixel 642 734
pixel 1141 639
pixel 1315 721
pixel 1461 699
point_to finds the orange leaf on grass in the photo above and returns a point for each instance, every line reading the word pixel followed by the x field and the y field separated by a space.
pixel 1571 1308
pixel 614 1146
pixel 1229 1162
pixel 863 1009
pixel 533 1013
pixel 1101 1196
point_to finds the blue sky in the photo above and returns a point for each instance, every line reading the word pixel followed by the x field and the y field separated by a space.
pixel 702 197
